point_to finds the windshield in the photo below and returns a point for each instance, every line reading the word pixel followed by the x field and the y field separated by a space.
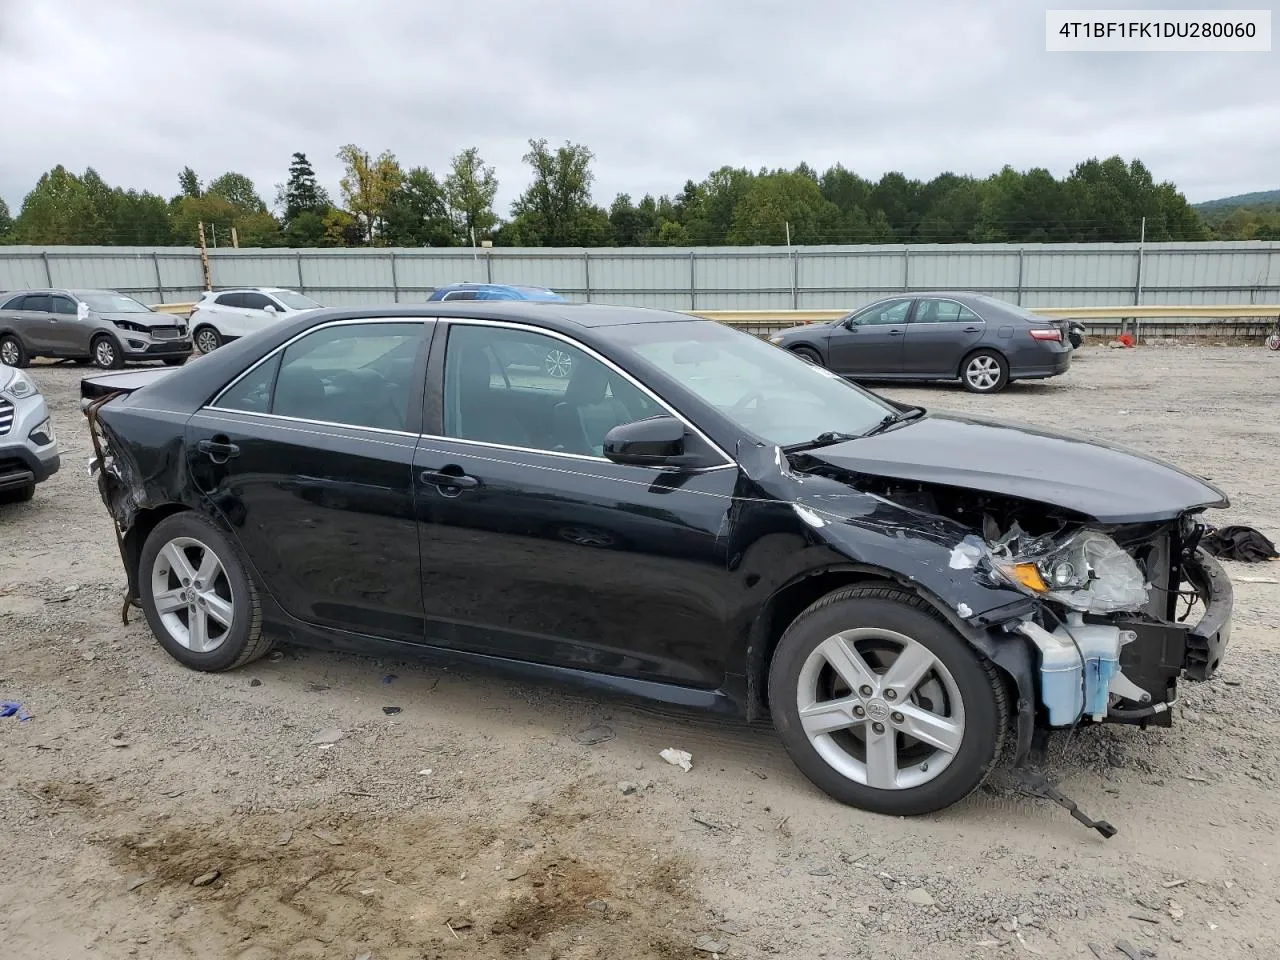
pixel 113 303
pixel 294 301
pixel 768 391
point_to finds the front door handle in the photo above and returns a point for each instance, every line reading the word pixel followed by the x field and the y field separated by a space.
pixel 449 484
pixel 218 451
pixel 895 333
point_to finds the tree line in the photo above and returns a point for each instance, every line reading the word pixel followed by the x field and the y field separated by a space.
pixel 381 202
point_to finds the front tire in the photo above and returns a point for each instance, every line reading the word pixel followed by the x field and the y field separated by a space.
pixel 207 339
pixel 12 352
pixel 883 706
pixel 106 353
pixel 198 597
pixel 984 371
pixel 808 353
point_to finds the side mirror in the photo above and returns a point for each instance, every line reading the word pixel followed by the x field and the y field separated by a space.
pixel 653 442
pixel 270 308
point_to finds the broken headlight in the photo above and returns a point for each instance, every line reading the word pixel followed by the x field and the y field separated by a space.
pixel 1087 571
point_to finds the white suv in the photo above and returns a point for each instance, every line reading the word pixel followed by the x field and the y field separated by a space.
pixel 224 315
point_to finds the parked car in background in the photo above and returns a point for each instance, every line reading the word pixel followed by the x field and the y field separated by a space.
pixel 28 445
pixel 102 327
pixel 693 516
pixel 984 342
pixel 555 362
pixel 221 316
pixel 1075 333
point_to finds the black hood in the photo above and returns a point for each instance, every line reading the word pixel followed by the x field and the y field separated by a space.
pixel 1110 484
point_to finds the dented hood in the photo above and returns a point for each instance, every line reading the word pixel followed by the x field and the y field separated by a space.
pixel 1110 484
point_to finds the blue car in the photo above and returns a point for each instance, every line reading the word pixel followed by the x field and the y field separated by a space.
pixel 493 291
pixel 554 363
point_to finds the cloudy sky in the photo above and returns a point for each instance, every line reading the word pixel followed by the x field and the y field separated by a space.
pixel 660 90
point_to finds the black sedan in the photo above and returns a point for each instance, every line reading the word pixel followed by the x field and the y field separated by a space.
pixel 691 516
pixel 984 342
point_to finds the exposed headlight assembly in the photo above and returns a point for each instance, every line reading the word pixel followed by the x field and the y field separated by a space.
pixel 130 325
pixel 1087 571
pixel 20 386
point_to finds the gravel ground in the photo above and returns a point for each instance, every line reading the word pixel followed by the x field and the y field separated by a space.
pixel 150 811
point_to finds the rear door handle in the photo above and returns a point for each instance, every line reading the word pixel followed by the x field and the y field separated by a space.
pixel 895 333
pixel 218 452
pixel 972 330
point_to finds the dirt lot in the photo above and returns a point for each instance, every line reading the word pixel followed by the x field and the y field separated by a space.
pixel 474 823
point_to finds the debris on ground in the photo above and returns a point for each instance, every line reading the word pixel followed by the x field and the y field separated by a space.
pixel 136 882
pixel 390 711
pixel 206 878
pixel 708 943
pixel 596 733
pixel 678 758
pixel 329 838
pixel 327 737
pixel 11 708
pixel 921 897
pixel 255 682
pixel 626 787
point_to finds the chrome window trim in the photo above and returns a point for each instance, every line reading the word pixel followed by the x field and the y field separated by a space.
pixel 578 345
pixel 213 404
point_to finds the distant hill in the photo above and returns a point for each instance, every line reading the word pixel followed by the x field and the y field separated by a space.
pixel 1259 199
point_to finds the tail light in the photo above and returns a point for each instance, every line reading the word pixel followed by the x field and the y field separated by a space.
pixel 1054 334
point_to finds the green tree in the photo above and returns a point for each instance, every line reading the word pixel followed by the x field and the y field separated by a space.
pixel 301 193
pixel 368 184
pixel 417 214
pixel 140 219
pixel 189 183
pixel 6 221
pixel 59 210
pixel 709 209
pixel 307 229
pixel 776 201
pixel 239 191
pixel 634 225
pixel 469 190
pixel 218 214
pixel 556 209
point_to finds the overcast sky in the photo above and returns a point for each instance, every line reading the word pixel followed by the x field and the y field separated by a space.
pixel 661 90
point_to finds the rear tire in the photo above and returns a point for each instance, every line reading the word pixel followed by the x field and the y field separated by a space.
pixel 198 597
pixel 902 670
pixel 984 371
pixel 12 352
pixel 175 361
pixel 106 352
pixel 1273 342
pixel 808 353
pixel 206 339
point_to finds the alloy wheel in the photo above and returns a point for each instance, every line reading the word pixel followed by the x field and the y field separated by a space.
pixel 206 341
pixel 192 594
pixel 558 363
pixel 982 372
pixel 104 354
pixel 880 708
pixel 10 355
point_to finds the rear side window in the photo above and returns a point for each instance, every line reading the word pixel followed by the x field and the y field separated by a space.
pixel 36 302
pixel 14 303
pixel 253 393
pixel 229 300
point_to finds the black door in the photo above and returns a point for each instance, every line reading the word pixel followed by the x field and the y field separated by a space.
pixel 309 458
pixel 870 342
pixel 535 547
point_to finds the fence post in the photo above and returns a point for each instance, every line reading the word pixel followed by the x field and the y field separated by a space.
pixel 1021 255
pixel 488 266
pixel 795 279
pixel 298 255
pixel 204 260
pixel 48 274
pixel 693 279
pixel 155 262
pixel 586 272
pixel 395 282
pixel 906 268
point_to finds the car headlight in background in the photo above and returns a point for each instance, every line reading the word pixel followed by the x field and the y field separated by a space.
pixel 1087 571
pixel 20 386
pixel 130 325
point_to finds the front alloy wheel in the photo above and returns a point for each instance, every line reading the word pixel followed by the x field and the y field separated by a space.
pixel 106 354
pixel 883 705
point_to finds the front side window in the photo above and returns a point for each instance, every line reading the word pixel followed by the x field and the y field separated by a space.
pixel 254 301
pixel 363 375
pixel 884 314
pixel 523 389
pixel 64 306
pixel 768 391
pixel 294 301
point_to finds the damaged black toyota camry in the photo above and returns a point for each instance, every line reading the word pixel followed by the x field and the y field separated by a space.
pixel 691 515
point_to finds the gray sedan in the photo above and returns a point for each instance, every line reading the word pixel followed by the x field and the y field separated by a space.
pixel 102 327
pixel 982 341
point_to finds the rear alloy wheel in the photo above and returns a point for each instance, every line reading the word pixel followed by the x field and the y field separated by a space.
pixel 883 705
pixel 12 353
pixel 198 597
pixel 984 372
pixel 207 339
pixel 106 353
pixel 808 353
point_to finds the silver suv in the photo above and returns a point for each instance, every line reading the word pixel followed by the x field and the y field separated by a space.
pixel 28 446
pixel 89 326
